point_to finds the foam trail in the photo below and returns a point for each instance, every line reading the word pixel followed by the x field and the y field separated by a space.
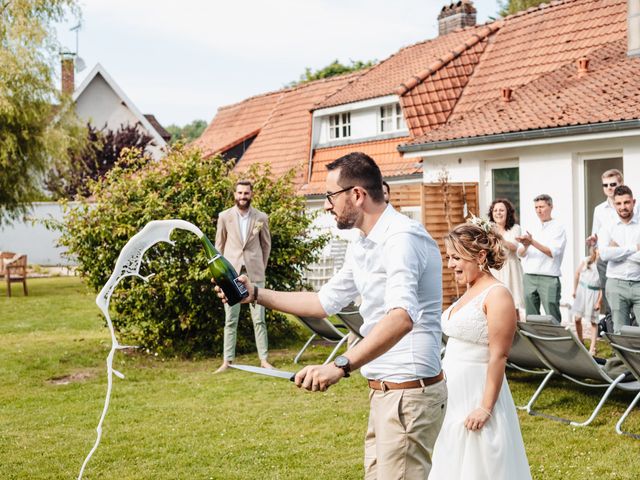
pixel 128 265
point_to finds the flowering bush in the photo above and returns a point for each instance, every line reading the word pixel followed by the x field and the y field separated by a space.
pixel 176 311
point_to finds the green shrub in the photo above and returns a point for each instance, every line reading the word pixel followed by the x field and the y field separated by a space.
pixel 176 312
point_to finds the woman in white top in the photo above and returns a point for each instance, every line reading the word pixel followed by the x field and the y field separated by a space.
pixel 503 214
pixel 480 438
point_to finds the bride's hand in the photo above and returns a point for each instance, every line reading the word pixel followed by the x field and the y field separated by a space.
pixel 477 419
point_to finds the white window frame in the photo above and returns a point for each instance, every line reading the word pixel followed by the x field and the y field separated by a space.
pixel 392 114
pixel 339 126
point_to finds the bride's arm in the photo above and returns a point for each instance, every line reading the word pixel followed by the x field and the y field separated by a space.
pixel 501 320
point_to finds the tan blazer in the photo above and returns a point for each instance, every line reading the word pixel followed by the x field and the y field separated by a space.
pixel 253 254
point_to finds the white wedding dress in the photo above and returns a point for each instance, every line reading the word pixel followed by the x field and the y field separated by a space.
pixel 496 451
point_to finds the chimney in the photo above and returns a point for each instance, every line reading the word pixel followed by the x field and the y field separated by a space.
pixel 633 28
pixel 583 66
pixel 506 93
pixel 67 73
pixel 457 15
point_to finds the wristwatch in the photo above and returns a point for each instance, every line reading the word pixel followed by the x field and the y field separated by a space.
pixel 343 362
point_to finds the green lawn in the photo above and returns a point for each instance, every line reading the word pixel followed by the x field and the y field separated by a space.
pixel 174 419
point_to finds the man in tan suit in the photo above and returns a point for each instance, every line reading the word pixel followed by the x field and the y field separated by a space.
pixel 243 237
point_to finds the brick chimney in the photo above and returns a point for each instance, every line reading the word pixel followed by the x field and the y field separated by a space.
pixel 633 28
pixel 67 73
pixel 456 15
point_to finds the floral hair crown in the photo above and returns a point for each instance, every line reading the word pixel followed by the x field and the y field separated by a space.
pixel 483 223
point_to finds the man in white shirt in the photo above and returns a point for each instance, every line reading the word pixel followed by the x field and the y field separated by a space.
pixel 541 252
pixel 605 217
pixel 619 247
pixel 396 268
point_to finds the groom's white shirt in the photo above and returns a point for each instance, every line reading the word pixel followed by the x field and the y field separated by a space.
pixel 398 265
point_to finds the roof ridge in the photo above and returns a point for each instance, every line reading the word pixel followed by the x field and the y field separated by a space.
pixel 253 97
pixel 420 77
pixel 541 6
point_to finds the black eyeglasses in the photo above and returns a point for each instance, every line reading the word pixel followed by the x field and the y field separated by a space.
pixel 613 184
pixel 331 194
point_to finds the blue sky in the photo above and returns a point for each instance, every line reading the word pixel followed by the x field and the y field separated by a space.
pixel 183 60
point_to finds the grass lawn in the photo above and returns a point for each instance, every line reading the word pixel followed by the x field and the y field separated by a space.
pixel 174 419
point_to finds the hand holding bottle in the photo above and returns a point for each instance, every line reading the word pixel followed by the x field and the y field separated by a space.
pixel 243 280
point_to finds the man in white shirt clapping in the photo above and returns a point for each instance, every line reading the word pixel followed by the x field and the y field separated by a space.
pixel 541 251
pixel 619 247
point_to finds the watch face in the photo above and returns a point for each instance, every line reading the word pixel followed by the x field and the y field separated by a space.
pixel 341 361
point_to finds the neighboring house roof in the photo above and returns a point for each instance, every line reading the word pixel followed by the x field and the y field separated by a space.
pixel 99 71
pixel 285 139
pixel 235 123
pixel 385 152
pixel 157 127
pixel 534 54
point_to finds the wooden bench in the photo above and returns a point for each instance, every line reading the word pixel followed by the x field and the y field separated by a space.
pixel 15 271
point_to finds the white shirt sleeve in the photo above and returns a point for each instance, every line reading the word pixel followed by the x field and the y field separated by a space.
pixel 405 258
pixel 596 222
pixel 616 254
pixel 557 242
pixel 339 291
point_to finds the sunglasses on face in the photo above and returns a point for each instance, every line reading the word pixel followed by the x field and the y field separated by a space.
pixel 612 184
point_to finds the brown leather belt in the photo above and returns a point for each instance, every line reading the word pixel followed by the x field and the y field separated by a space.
pixel 384 386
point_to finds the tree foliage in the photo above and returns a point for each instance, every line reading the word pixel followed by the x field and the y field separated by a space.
pixel 509 7
pixel 176 311
pixel 187 133
pixel 36 124
pixel 333 69
pixel 93 159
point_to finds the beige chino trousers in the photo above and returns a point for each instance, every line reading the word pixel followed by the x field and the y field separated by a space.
pixel 403 427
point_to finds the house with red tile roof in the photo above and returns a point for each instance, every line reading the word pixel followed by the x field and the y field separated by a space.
pixel 553 102
pixel 541 101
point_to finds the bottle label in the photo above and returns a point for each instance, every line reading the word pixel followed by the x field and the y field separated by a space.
pixel 241 288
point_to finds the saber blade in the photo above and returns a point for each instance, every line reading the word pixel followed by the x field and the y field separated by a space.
pixel 266 371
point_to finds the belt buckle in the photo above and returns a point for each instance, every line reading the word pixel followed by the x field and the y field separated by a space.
pixel 383 387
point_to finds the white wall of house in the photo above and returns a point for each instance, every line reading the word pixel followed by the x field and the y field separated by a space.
pixel 552 166
pixel 31 237
pixel 100 105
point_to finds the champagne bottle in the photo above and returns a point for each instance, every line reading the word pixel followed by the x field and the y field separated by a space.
pixel 224 274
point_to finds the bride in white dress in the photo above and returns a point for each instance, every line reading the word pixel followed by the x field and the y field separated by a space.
pixel 480 437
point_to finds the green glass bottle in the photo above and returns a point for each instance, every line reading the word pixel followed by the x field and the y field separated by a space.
pixel 224 274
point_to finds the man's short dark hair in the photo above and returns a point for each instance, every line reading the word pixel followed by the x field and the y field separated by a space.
pixel 622 190
pixel 544 198
pixel 358 169
pixel 244 182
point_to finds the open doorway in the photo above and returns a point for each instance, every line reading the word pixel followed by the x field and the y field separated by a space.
pixel 594 195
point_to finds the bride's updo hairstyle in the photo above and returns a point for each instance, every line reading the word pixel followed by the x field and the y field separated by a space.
pixel 469 239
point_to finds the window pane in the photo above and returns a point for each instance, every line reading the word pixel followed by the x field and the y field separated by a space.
pixel 506 184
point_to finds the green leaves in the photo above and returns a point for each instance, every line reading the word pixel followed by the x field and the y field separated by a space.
pixel 176 312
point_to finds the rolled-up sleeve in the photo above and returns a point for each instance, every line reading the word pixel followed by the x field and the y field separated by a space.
pixel 557 242
pixel 405 258
pixel 338 292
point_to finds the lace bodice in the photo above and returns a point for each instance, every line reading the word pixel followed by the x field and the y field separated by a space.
pixel 470 322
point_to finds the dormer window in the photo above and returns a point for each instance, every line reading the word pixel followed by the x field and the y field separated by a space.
pixel 391 119
pixel 340 126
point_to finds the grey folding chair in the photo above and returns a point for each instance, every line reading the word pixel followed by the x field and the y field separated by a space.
pixel 323 328
pixel 565 355
pixel 626 346
pixel 351 317
pixel 522 356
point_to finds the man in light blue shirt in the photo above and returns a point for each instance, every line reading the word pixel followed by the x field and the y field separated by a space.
pixel 396 268
pixel 619 246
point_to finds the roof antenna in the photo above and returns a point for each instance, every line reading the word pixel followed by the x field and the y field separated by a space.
pixel 80 65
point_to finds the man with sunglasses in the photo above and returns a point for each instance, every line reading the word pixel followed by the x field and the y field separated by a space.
pixel 605 217
pixel 396 268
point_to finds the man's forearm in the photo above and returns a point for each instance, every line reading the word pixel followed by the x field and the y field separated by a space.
pixel 387 332
pixel 297 303
pixel 544 249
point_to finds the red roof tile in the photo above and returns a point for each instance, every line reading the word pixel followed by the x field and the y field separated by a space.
pixel 285 140
pixel 235 123
pixel 384 152
pixel 387 76
pixel 609 91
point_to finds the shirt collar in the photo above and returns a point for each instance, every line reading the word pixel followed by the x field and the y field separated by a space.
pixel 377 233
pixel 634 219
